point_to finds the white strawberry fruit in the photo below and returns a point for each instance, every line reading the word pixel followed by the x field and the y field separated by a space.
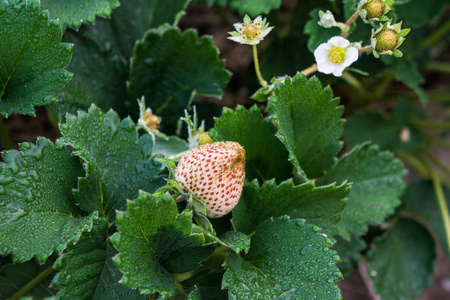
pixel 213 173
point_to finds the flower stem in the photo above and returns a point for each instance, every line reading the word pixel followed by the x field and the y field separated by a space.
pixel 4 136
pixel 433 157
pixel 30 285
pixel 438 143
pixel 442 205
pixel 309 70
pixel 258 72
pixel 353 81
pixel 431 125
pixel 364 49
pixel 349 23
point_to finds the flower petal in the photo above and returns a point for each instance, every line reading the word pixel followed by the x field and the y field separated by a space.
pixel 338 70
pixel 321 52
pixel 338 41
pixel 258 20
pixel 265 32
pixel 325 67
pixel 239 27
pixel 238 39
pixel 351 56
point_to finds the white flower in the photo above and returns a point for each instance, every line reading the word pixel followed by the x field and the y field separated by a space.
pixel 335 55
pixel 250 32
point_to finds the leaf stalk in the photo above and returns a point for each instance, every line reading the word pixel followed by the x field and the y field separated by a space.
pixel 30 285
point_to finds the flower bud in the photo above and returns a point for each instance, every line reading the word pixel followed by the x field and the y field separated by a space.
pixel 374 10
pixel 149 120
pixel 326 19
pixel 387 38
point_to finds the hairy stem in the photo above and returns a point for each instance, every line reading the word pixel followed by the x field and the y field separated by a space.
pixel 349 23
pixel 258 71
pixel 309 70
pixel 365 48
pixel 30 285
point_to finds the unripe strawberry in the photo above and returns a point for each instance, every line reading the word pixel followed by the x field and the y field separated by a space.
pixel 214 174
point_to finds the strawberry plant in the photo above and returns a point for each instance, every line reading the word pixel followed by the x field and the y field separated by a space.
pixel 153 190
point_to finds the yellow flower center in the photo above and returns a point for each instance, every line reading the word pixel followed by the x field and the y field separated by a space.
pixel 336 55
pixel 251 32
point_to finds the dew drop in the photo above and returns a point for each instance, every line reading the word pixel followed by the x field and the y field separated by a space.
pixel 65 279
pixel 29 197
pixel 5 179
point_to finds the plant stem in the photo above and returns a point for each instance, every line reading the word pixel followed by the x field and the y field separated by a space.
pixel 431 125
pixel 30 285
pixel 435 159
pixel 442 205
pixel 4 136
pixel 415 163
pixel 436 35
pixel 258 72
pixel 438 66
pixel 438 143
pixel 349 23
pixel 353 81
pixel 365 48
pixel 309 70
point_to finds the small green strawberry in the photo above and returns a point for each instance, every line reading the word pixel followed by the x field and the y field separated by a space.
pixel 214 174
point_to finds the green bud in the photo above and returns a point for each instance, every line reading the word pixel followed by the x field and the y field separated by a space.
pixel 374 10
pixel 387 38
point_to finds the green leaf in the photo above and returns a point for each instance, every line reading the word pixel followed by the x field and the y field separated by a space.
pixel 401 264
pixel 376 179
pixel 266 156
pixel 287 260
pixel 208 284
pixel 172 146
pixel 235 240
pixel 384 130
pixel 87 269
pixel 16 276
pixel 417 13
pixel 32 57
pixel 254 7
pixel 350 7
pixel 118 163
pixel 100 74
pixel 135 17
pixel 350 252
pixel 309 123
pixel 321 206
pixel 420 200
pixel 407 72
pixel 37 212
pixel 170 78
pixel 74 13
pixel 109 43
pixel 318 34
pixel 150 232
